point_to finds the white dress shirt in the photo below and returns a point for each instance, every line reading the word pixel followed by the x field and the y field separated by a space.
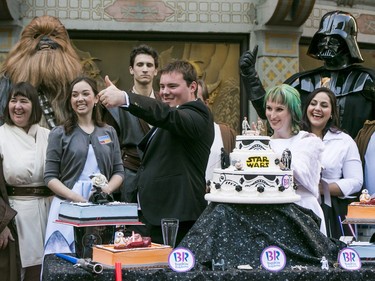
pixel 341 163
pixel 369 166
pixel 214 160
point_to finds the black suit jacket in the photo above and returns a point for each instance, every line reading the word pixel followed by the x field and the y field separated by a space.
pixel 171 178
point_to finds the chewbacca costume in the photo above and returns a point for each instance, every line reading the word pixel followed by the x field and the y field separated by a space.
pixel 45 57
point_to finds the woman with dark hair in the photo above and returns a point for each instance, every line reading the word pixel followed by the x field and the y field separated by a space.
pixel 283 112
pixel 81 147
pixel 342 174
pixel 25 199
pixel 328 106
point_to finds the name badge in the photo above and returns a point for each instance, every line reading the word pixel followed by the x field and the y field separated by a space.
pixel 104 139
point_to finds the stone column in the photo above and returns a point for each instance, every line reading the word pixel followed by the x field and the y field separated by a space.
pixel 277 31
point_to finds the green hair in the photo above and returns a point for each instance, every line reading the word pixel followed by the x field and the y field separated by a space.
pixel 288 96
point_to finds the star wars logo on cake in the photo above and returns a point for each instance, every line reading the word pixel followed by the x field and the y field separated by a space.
pixel 258 162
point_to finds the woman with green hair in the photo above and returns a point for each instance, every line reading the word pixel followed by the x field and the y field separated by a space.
pixel 284 113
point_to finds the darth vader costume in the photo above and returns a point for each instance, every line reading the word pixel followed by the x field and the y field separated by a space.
pixel 335 44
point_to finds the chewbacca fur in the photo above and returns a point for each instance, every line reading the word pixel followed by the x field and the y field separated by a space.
pixel 49 70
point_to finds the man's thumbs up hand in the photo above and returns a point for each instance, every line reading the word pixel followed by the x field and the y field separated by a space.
pixel 111 96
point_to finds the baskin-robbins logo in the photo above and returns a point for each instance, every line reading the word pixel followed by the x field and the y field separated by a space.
pixel 349 259
pixel 273 258
pixel 181 260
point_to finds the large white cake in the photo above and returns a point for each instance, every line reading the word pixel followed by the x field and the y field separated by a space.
pixel 98 213
pixel 255 175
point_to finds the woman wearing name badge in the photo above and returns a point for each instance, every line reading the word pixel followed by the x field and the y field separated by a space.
pixel 342 173
pixel 81 147
pixel 24 199
pixel 283 111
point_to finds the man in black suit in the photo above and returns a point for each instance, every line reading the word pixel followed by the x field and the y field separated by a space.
pixel 171 178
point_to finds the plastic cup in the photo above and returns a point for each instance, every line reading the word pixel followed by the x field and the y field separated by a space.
pixel 169 227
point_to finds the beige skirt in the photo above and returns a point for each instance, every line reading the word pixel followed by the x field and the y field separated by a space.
pixel 31 222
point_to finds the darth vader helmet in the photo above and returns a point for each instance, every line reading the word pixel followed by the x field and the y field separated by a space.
pixel 338 34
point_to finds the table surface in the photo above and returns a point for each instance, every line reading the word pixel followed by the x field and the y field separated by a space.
pixel 55 268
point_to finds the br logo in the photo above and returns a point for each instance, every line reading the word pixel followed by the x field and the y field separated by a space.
pixel 349 259
pixel 349 256
pixel 181 260
pixel 273 255
pixel 273 258
pixel 181 256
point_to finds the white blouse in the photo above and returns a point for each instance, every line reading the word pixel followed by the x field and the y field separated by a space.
pixel 214 160
pixel 23 154
pixel 342 163
pixel 369 166
pixel 306 152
